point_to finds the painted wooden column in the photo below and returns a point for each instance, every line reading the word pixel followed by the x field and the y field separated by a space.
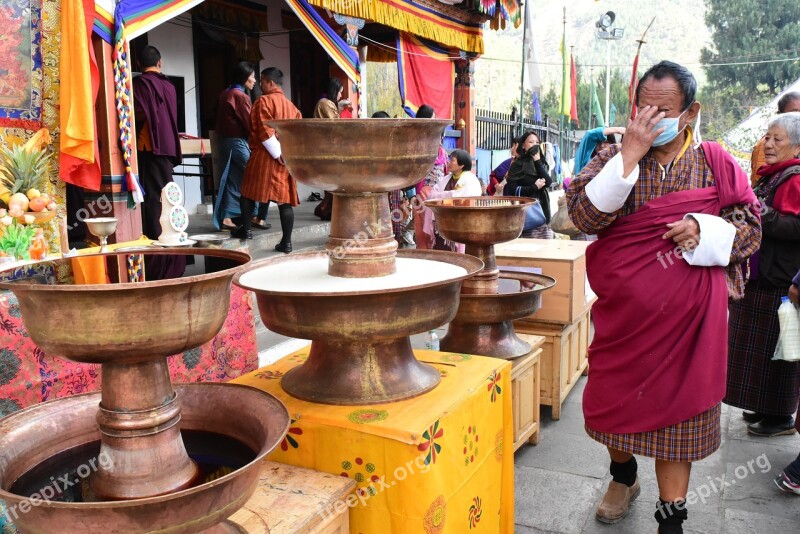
pixel 464 97
pixel 111 200
pixel 352 92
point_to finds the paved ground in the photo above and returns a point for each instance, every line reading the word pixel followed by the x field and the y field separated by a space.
pixel 560 481
pixel 309 233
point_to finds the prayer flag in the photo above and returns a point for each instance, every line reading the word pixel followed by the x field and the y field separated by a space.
pixel 573 78
pixel 635 74
pixel 566 92
pixel 596 109
pixel 537 110
pixel 632 86
pixel 533 79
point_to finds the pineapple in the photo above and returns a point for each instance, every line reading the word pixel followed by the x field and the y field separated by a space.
pixel 22 169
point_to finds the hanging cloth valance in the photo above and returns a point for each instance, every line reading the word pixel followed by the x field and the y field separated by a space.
pixel 339 51
pixel 413 17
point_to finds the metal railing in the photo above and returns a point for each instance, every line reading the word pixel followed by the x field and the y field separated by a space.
pixel 495 130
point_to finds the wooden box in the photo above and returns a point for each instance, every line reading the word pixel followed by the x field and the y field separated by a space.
pixel 291 499
pixel 563 359
pixel 565 261
pixel 195 148
pixel 525 394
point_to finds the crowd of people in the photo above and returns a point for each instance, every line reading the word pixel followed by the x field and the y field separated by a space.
pixel 690 263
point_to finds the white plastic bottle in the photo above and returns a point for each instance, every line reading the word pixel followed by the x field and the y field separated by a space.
pixel 432 341
pixel 789 341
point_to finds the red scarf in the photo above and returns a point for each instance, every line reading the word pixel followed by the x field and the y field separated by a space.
pixel 659 354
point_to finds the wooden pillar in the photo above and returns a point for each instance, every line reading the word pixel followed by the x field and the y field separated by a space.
pixel 363 90
pixel 350 27
pixel 111 200
pixel 464 97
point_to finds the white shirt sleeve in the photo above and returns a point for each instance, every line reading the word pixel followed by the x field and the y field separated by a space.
pixel 468 185
pixel 609 190
pixel 273 146
pixel 716 241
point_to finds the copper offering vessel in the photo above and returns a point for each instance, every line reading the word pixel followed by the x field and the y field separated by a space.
pixel 491 299
pixel 43 431
pixel 360 162
pixel 130 329
pixel 102 227
pixel 360 315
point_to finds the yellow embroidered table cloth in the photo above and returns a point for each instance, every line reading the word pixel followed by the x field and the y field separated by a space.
pixel 439 463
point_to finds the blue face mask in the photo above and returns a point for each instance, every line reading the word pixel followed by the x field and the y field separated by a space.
pixel 671 129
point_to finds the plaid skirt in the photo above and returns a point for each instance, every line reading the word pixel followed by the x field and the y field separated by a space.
pixel 580 236
pixel 688 441
pixel 755 381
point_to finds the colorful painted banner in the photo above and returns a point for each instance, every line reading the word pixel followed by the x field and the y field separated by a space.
pixel 21 64
pixel 339 51
pixel 425 74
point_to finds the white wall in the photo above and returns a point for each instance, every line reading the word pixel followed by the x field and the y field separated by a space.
pixel 275 48
pixel 177 59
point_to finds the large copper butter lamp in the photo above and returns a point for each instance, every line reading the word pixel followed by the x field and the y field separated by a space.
pixel 493 298
pixel 360 300
pixel 138 422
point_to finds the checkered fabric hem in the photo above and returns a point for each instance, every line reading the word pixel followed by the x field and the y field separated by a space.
pixel 688 441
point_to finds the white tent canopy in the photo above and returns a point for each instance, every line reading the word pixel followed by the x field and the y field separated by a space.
pixel 740 140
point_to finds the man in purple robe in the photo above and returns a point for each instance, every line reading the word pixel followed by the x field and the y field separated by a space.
pixel 155 105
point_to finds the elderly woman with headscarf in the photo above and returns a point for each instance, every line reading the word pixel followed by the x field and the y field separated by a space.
pixel 769 389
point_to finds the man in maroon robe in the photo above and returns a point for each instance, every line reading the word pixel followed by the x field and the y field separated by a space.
pixel 155 107
pixel 675 223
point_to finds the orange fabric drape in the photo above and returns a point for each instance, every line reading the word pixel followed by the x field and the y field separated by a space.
pixel 79 159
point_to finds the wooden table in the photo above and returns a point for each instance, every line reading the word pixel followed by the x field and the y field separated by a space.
pixel 291 500
pixel 439 462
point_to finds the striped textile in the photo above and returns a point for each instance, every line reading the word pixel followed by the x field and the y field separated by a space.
pixel 755 382
pixel 140 16
pixel 328 38
pixel 265 179
pixel 688 441
pixel 123 93
pixel 541 232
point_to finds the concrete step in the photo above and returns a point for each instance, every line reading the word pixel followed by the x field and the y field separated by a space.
pixel 308 231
